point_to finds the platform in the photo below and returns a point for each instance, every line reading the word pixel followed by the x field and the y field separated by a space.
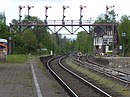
pixel 17 80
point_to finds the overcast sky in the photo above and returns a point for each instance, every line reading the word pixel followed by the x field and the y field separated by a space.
pixel 92 10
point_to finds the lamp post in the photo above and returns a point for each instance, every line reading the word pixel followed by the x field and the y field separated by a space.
pixel 123 35
pixel 95 35
pixel 10 46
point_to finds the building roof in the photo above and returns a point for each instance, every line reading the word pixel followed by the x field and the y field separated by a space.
pixel 101 30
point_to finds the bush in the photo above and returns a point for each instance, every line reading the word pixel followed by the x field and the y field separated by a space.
pixel 17 58
pixel 108 53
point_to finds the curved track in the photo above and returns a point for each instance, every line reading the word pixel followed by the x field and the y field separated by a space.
pixel 75 85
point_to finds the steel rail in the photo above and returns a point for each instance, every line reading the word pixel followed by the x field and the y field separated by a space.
pixel 69 90
pixel 122 76
pixel 92 85
pixel 79 77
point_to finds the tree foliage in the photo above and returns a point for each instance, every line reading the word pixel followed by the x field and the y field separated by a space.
pixel 106 18
pixel 4 29
pixel 124 27
pixel 37 37
pixel 30 42
pixel 84 42
pixel 4 33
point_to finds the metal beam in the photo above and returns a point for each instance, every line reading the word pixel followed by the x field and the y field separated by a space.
pixel 62 24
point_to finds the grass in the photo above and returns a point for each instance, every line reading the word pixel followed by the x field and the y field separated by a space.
pixel 16 58
pixel 54 84
pixel 100 79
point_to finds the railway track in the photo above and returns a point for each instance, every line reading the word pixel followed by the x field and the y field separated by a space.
pixel 75 85
pixel 84 60
pixel 118 78
pixel 122 76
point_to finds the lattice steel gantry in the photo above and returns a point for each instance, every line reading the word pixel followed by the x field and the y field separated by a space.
pixel 56 23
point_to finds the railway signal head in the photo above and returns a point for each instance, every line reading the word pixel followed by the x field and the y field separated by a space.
pixel 107 7
pixel 20 7
pixel 81 6
pixel 47 7
pixel 64 7
pixel 29 7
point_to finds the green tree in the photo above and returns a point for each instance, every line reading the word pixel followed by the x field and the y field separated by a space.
pixel 44 39
pixel 4 29
pixel 109 18
pixel 84 42
pixel 124 26
pixel 25 43
pixel 40 32
pixel 30 42
pixel 4 33
pixel 18 44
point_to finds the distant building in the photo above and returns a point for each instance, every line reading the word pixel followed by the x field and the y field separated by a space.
pixel 104 40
